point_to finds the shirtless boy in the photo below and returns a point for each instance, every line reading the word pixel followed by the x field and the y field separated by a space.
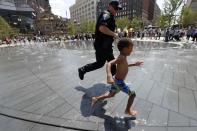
pixel 125 46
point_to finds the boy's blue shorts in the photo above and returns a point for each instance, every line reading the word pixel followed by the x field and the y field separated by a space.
pixel 119 85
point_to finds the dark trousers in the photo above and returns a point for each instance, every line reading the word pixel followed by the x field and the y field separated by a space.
pixel 101 58
pixel 195 37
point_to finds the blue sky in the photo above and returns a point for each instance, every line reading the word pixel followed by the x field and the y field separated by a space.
pixel 60 7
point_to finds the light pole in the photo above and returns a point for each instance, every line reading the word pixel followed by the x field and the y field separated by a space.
pixel 75 25
pixel 51 19
pixel 78 27
pixel 45 21
pixel 1 32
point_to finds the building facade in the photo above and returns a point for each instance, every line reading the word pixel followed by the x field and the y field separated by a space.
pixel 192 4
pixel 47 23
pixel 148 10
pixel 157 13
pixel 83 10
pixel 24 7
pixel 31 15
pixel 9 7
pixel 131 8
pixel 17 13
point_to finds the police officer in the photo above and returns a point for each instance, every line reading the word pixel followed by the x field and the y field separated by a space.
pixel 104 37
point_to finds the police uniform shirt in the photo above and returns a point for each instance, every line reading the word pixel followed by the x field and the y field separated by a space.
pixel 102 40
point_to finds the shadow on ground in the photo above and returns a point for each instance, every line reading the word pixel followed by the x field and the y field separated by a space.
pixel 110 123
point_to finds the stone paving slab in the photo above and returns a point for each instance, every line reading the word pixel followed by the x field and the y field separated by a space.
pixel 193 122
pixel 187 104
pixel 59 111
pixel 182 128
pixel 158 117
pixel 40 83
pixel 157 93
pixel 171 100
pixel 176 119
pixel 34 99
pixel 16 125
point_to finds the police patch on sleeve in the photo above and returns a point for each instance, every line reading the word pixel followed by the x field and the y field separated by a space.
pixel 106 16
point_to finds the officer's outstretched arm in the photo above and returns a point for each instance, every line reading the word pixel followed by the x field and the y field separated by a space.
pixel 105 30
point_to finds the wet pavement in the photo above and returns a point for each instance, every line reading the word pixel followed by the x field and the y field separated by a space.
pixel 40 89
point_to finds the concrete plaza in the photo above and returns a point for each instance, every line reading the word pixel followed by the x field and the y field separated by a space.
pixel 40 89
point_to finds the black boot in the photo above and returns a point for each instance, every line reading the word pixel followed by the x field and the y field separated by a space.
pixel 81 73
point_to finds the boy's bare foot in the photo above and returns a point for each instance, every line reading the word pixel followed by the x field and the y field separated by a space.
pixel 94 100
pixel 131 112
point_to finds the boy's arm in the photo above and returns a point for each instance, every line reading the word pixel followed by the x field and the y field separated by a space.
pixel 108 70
pixel 139 63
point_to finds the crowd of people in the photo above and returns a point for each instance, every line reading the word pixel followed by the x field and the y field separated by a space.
pixel 46 38
pixel 168 34
pixel 178 34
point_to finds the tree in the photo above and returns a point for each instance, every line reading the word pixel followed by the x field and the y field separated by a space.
pixel 5 29
pixel 170 9
pixel 136 23
pixel 84 26
pixel 188 16
pixel 87 26
pixel 122 22
pixel 162 21
pixel 91 26
pixel 71 28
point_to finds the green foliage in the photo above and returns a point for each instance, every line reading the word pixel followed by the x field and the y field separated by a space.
pixel 170 9
pixel 188 16
pixel 122 22
pixel 171 6
pixel 87 26
pixel 136 23
pixel 5 29
pixel 162 21
pixel 91 27
pixel 84 26
pixel 71 28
